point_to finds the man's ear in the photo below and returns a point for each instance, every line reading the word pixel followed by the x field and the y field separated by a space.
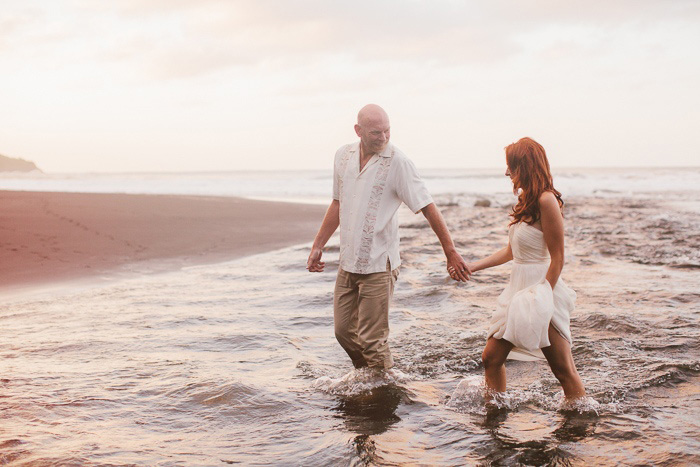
pixel 357 130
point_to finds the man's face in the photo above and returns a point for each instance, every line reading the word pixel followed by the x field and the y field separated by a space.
pixel 374 135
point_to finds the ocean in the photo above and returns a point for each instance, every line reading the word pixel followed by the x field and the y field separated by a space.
pixel 236 363
pixel 316 186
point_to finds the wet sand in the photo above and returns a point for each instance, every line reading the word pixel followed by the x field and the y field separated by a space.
pixel 50 237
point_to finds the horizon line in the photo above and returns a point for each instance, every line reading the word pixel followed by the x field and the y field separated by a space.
pixel 213 171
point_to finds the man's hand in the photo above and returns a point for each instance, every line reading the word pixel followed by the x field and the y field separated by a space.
pixel 458 268
pixel 330 223
pixel 314 263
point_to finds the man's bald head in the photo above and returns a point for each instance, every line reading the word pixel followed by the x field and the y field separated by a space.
pixel 373 129
pixel 371 113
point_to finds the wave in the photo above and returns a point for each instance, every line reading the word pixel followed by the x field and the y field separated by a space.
pixel 615 324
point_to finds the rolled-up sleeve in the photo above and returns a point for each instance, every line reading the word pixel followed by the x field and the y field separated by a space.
pixel 410 187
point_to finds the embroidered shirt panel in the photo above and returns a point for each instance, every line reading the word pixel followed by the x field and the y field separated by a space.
pixel 369 201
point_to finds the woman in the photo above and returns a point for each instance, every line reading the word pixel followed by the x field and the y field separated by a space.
pixel 532 315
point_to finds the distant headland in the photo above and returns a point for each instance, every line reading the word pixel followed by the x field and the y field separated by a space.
pixel 11 164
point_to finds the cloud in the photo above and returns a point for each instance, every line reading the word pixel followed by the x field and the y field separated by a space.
pixel 182 39
pixel 186 38
pixel 28 28
pixel 213 35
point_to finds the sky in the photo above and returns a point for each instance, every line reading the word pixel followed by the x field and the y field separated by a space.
pixel 190 85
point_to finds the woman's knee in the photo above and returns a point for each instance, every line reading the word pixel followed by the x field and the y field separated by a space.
pixel 564 373
pixel 491 359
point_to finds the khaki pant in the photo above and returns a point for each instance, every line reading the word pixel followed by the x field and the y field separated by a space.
pixel 361 316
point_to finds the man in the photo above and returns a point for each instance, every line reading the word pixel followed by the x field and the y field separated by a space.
pixel 371 178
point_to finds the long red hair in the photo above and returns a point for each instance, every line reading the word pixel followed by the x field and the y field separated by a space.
pixel 529 169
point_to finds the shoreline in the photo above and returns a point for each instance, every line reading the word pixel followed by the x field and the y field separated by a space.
pixel 49 238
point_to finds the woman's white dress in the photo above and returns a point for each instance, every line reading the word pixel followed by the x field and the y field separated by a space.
pixel 528 304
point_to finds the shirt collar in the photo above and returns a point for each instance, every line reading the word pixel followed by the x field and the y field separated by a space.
pixel 387 152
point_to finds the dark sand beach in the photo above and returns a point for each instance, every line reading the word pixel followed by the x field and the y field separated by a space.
pixel 48 237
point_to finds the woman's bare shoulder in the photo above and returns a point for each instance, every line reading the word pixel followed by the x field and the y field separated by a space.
pixel 549 206
pixel 547 198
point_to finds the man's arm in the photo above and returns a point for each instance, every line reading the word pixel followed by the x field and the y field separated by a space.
pixel 456 265
pixel 330 223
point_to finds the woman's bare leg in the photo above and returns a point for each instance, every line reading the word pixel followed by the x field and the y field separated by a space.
pixel 494 358
pixel 560 360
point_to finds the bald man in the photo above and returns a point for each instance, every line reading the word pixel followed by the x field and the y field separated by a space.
pixel 371 178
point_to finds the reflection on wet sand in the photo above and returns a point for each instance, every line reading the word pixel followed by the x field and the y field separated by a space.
pixel 528 437
pixel 370 414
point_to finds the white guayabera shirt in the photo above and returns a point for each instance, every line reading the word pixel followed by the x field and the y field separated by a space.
pixel 369 201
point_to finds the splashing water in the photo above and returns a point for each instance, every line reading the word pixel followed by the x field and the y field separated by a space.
pixel 362 380
pixel 473 397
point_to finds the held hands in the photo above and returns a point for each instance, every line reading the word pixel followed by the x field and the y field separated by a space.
pixel 314 263
pixel 459 270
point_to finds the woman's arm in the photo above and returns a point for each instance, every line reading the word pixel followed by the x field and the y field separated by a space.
pixel 553 230
pixel 501 256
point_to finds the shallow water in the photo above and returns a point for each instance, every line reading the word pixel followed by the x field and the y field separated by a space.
pixel 237 363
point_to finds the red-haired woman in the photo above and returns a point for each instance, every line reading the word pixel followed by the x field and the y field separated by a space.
pixel 532 314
